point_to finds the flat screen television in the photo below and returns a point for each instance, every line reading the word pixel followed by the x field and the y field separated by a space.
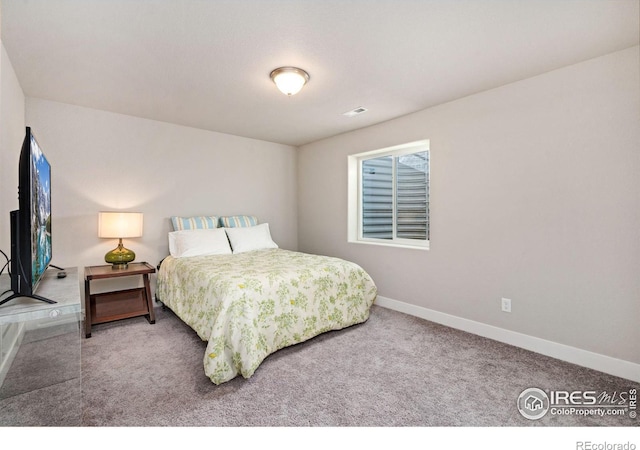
pixel 31 224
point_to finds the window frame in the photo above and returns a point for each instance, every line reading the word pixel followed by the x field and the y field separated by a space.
pixel 355 196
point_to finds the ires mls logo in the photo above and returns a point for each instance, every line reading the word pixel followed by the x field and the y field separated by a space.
pixel 534 403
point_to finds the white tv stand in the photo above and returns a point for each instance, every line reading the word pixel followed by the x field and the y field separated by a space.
pixel 34 325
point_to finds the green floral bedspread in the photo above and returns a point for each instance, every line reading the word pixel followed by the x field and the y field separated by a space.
pixel 248 305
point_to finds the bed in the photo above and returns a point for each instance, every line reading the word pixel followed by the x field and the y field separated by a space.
pixel 252 299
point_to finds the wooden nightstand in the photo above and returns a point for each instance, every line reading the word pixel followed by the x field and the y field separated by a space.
pixel 115 305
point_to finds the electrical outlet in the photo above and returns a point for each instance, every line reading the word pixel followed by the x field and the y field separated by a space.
pixel 506 305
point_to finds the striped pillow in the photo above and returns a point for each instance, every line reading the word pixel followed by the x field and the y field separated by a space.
pixel 238 221
pixel 194 223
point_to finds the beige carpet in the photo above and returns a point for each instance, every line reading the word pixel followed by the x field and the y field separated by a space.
pixel 394 370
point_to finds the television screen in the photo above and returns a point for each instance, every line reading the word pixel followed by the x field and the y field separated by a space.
pixel 31 224
pixel 40 212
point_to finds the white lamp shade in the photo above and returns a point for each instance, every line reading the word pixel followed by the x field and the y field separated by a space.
pixel 289 79
pixel 119 224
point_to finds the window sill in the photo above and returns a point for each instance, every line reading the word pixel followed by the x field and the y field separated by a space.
pixel 389 244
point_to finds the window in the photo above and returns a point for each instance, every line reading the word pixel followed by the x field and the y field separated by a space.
pixel 389 196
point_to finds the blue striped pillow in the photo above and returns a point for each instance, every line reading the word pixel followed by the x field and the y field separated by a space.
pixel 194 223
pixel 238 221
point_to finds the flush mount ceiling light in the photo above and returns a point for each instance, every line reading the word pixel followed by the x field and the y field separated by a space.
pixel 289 79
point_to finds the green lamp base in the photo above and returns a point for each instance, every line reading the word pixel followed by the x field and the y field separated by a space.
pixel 120 257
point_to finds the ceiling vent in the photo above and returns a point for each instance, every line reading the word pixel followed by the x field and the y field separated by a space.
pixel 355 112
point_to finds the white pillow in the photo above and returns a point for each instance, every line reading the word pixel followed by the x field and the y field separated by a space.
pixel 245 239
pixel 212 241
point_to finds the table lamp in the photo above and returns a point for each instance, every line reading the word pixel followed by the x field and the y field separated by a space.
pixel 119 225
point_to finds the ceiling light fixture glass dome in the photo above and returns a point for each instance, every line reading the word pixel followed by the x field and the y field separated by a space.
pixel 289 79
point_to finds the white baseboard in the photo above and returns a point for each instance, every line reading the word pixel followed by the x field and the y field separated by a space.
pixel 613 366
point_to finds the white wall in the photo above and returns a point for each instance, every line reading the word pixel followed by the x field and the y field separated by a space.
pixel 12 130
pixel 105 161
pixel 535 196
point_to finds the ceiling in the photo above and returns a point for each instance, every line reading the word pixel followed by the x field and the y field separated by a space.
pixel 206 64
